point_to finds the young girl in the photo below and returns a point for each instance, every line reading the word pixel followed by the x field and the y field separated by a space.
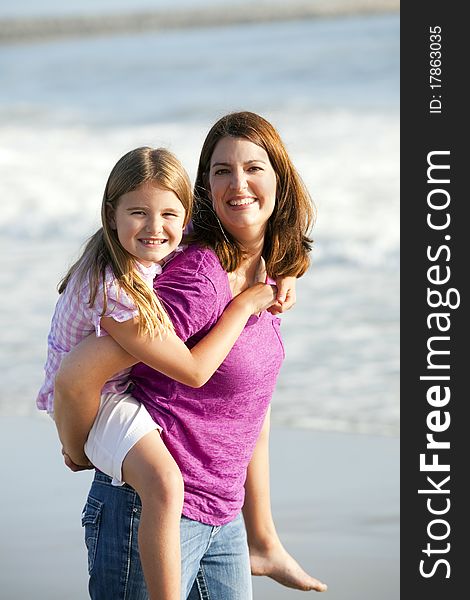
pixel 146 205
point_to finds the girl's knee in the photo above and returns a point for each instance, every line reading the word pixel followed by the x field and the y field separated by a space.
pixel 165 485
pixel 171 482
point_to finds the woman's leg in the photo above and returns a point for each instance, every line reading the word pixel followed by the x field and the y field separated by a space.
pixel 195 538
pixel 151 470
pixel 125 444
pixel 111 522
pixel 225 567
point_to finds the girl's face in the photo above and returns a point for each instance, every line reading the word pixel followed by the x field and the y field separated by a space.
pixel 243 187
pixel 149 222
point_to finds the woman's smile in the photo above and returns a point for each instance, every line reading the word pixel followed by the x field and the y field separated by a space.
pixel 242 186
pixel 242 202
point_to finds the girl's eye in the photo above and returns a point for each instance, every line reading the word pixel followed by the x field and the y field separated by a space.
pixel 170 214
pixel 137 212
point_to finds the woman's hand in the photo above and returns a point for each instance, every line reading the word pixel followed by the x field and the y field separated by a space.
pixel 258 297
pixel 286 295
pixel 73 466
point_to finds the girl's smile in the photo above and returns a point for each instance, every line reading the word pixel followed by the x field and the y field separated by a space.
pixel 149 222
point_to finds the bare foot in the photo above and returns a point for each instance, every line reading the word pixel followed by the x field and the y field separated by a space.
pixel 280 566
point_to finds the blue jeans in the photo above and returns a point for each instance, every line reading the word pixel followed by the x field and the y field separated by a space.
pixel 214 559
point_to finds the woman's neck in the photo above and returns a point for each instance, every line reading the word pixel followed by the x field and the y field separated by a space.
pixel 251 268
pixel 252 243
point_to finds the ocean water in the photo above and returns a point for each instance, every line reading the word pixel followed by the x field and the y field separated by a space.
pixel 70 108
pixel 55 8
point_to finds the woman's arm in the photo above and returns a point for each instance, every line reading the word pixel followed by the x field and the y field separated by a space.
pixel 173 358
pixel 78 384
pixel 267 555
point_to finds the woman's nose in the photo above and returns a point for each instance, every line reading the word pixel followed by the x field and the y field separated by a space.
pixel 238 180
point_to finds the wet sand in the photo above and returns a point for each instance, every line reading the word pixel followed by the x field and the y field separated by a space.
pixel 335 501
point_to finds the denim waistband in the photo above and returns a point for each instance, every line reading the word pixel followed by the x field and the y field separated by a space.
pixel 103 478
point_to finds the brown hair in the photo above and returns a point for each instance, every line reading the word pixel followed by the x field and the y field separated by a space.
pixel 286 244
pixel 103 249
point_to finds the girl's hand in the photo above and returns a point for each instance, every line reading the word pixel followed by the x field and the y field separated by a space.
pixel 258 297
pixel 286 295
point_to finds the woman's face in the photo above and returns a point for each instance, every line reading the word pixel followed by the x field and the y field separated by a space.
pixel 242 186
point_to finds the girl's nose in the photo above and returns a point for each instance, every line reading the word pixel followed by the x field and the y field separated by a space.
pixel 154 225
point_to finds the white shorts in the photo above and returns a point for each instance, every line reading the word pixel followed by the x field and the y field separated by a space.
pixel 120 423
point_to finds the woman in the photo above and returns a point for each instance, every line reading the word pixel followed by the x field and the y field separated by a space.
pixel 252 215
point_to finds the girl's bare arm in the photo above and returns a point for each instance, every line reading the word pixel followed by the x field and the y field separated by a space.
pixel 84 371
pixel 173 358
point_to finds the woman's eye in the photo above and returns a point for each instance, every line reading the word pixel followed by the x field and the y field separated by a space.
pixel 255 168
pixel 221 172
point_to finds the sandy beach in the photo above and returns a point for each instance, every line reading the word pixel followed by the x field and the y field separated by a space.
pixel 335 500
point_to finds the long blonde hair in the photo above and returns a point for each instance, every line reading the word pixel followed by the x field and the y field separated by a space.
pixel 287 243
pixel 103 249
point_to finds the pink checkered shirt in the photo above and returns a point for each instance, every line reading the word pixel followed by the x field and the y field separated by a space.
pixel 74 319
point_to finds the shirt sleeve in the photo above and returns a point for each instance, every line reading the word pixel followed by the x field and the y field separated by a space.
pixel 120 306
pixel 190 298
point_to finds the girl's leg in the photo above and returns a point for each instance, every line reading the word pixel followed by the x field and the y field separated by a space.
pixel 277 563
pixel 151 470
pixel 267 555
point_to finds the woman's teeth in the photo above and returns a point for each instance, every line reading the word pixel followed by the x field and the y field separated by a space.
pixel 241 201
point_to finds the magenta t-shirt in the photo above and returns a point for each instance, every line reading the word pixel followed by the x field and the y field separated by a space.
pixel 211 431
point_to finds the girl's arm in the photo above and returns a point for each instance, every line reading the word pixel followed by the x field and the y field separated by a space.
pixel 286 295
pixel 85 369
pixel 173 358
